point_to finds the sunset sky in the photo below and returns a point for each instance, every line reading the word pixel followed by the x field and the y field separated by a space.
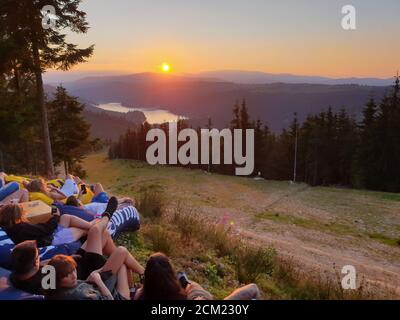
pixel 302 37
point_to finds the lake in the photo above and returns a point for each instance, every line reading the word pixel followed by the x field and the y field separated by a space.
pixel 153 115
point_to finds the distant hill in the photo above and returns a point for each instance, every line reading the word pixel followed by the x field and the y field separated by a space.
pixel 254 77
pixel 199 98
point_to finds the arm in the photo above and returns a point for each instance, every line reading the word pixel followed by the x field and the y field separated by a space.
pixel 95 278
pixel 55 194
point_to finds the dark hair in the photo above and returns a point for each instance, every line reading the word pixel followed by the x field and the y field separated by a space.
pixel 38 185
pixel 23 257
pixel 72 201
pixel 160 280
pixel 11 215
pixel 63 266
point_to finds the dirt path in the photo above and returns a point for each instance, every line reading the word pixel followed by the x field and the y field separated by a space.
pixel 377 265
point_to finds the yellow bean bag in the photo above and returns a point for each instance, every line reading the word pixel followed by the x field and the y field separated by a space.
pixel 33 196
pixel 86 198
pixel 18 179
pixel 58 183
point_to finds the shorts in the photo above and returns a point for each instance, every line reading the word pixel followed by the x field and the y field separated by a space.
pixel 110 281
pixel 62 235
pixel 101 197
pixel 89 262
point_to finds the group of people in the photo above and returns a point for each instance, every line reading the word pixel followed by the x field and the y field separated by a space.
pixel 100 270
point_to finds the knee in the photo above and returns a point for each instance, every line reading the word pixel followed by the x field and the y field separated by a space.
pixel 95 230
pixel 255 291
pixel 122 250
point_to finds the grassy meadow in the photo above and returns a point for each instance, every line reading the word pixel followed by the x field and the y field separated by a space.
pixel 290 239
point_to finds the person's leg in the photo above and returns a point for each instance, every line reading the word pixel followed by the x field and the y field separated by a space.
pixel 97 189
pixel 119 257
pixel 123 282
pixel 109 245
pixel 96 238
pixel 248 292
pixel 69 221
pixel 77 233
pixel 16 197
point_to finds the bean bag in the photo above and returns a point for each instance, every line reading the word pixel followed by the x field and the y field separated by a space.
pixel 33 196
pixel 58 183
pixel 7 292
pixel 18 179
pixel 6 246
pixel 8 189
pixel 124 219
pixel 74 211
pixel 87 197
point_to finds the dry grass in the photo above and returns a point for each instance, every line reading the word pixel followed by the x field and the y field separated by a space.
pixel 211 253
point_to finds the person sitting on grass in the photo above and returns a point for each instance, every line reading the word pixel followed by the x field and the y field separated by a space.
pixel 26 268
pixel 161 283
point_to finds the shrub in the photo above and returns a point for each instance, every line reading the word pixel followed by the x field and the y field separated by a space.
pixel 218 237
pixel 187 224
pixel 252 262
pixel 161 240
pixel 211 272
pixel 151 204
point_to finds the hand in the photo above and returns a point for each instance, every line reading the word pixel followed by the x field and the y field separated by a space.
pixel 57 212
pixel 94 221
pixel 94 277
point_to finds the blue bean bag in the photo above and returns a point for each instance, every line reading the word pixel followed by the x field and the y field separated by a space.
pixel 124 219
pixel 8 189
pixel 74 211
pixel 6 246
pixel 7 292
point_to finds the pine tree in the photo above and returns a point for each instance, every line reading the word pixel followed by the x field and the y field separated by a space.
pixel 69 130
pixel 365 163
pixel 41 48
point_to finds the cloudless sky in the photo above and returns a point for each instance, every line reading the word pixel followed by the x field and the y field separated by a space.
pixel 286 36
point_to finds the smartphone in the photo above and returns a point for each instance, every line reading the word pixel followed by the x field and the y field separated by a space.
pixel 53 210
pixel 83 189
pixel 183 279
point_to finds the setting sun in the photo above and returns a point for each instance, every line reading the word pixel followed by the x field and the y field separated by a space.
pixel 165 67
